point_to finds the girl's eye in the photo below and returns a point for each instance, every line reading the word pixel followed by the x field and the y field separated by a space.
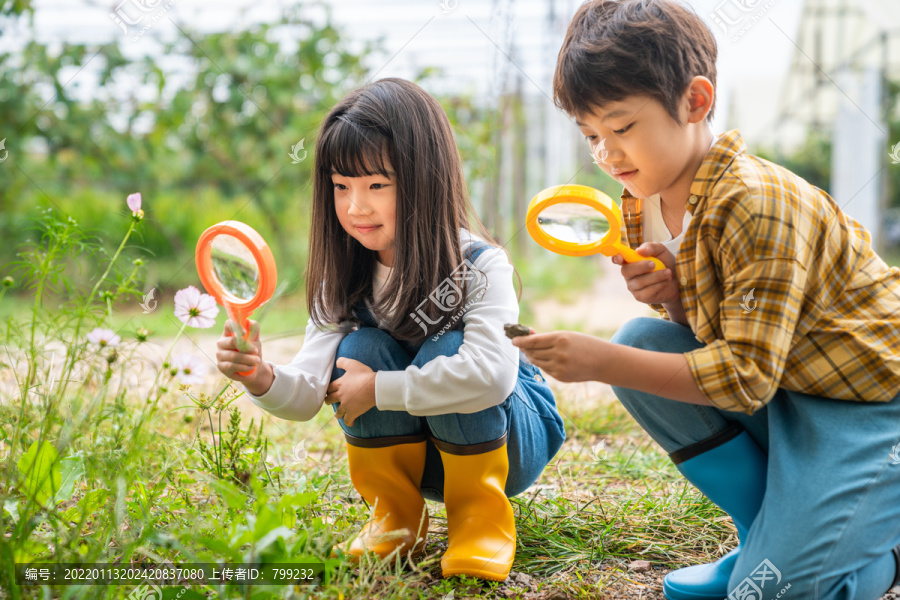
pixel 340 186
pixel 377 186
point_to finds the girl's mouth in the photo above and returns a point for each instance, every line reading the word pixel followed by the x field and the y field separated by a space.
pixel 367 228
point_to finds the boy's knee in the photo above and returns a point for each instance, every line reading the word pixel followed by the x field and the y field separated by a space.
pixel 659 335
pixel 640 332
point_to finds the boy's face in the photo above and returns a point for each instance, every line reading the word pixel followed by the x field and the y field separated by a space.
pixel 638 143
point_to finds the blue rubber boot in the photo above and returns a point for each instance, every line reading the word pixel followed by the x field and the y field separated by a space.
pixel 730 469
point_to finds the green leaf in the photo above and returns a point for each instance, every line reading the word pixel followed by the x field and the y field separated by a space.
pixel 72 469
pixel 88 505
pixel 41 471
pixel 12 507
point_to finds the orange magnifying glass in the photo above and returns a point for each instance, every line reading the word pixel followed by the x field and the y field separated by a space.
pixel 577 220
pixel 237 269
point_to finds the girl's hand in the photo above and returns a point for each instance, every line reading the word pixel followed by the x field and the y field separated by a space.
pixel 231 361
pixel 355 390
pixel 564 355
pixel 645 284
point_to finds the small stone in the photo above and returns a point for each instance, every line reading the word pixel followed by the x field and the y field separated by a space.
pixel 515 329
pixel 639 566
pixel 520 578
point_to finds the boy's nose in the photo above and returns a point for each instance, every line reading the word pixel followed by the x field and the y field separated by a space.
pixel 602 152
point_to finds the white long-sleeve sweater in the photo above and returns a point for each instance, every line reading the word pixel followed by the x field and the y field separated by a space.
pixel 482 374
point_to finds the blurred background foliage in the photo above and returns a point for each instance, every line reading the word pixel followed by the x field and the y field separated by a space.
pixel 203 130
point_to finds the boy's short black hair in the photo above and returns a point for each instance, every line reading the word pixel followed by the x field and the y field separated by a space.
pixel 618 48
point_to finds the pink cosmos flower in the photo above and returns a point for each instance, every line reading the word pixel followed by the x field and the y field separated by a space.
pixel 196 309
pixel 103 337
pixel 134 203
pixel 190 369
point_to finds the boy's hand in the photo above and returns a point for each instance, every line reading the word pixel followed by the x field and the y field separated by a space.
pixel 645 284
pixel 564 355
pixel 230 360
pixel 355 390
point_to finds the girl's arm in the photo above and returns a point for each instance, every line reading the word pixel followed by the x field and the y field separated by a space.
pixel 484 370
pixel 298 389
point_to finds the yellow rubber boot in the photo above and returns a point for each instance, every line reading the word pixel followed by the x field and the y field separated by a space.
pixel 388 478
pixel 481 526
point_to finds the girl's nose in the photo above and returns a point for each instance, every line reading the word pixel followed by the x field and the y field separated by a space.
pixel 357 206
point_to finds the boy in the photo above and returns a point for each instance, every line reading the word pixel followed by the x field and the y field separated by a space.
pixel 773 378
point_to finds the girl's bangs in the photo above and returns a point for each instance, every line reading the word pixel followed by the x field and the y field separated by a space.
pixel 351 150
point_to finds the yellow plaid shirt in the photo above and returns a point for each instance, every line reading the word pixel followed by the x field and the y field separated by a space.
pixel 781 285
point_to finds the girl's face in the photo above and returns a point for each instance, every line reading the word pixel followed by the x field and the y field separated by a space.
pixel 366 208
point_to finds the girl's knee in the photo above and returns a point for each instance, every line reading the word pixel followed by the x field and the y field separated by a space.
pixel 446 344
pixel 370 346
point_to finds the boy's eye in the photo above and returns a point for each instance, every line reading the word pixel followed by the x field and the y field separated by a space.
pixel 623 130
pixel 590 138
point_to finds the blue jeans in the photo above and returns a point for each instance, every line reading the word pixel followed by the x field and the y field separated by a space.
pixel 529 415
pixel 831 511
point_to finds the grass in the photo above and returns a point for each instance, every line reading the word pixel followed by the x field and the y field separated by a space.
pixel 578 527
pixel 106 458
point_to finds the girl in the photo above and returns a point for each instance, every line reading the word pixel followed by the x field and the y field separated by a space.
pixel 405 337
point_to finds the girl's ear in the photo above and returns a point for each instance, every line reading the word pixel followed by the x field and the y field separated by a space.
pixel 699 96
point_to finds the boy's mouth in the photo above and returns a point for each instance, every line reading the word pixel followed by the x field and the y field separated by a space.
pixel 623 175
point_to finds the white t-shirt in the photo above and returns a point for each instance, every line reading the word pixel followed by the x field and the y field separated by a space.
pixel 654 226
pixel 382 272
pixel 482 374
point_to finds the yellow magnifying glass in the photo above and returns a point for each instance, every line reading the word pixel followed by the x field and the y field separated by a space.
pixel 577 220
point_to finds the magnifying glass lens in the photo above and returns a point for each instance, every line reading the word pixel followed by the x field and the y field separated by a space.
pixel 235 267
pixel 573 222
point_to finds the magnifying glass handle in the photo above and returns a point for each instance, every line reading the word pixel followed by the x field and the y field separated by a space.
pixel 631 256
pixel 240 330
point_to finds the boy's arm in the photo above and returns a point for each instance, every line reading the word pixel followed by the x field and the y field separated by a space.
pixel 675 311
pixel 569 356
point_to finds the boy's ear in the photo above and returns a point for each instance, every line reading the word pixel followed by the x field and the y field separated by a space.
pixel 699 99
